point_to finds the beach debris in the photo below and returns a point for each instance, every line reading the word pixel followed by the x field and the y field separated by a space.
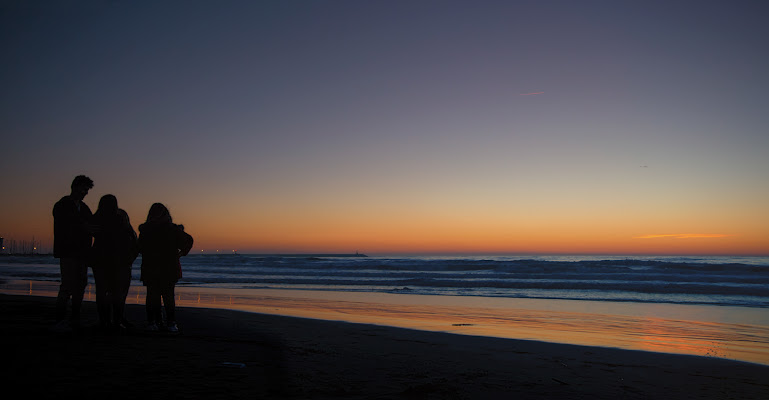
pixel 233 364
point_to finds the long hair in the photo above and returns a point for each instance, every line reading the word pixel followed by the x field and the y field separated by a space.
pixel 124 216
pixel 159 213
pixel 107 207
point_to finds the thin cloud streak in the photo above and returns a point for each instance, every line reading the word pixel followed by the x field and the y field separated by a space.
pixel 684 236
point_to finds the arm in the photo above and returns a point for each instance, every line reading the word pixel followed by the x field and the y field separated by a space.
pixel 184 242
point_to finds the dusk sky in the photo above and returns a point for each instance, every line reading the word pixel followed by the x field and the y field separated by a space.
pixel 632 127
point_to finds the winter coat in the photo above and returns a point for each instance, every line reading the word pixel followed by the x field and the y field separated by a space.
pixel 71 236
pixel 161 244
pixel 115 243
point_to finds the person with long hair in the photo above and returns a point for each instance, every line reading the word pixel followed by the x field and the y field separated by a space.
pixel 161 243
pixel 115 249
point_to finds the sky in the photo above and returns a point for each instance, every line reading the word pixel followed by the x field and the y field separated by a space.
pixel 396 127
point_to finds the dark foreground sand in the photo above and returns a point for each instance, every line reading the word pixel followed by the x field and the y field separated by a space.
pixel 230 354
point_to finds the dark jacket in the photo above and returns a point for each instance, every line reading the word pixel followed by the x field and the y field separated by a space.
pixel 161 245
pixel 71 236
pixel 115 243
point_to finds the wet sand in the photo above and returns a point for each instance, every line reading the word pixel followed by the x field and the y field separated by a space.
pixel 736 333
pixel 223 353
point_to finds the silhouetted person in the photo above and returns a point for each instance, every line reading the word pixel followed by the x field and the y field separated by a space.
pixel 72 246
pixel 161 243
pixel 115 248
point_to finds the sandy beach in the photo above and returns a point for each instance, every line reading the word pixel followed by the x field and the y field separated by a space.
pixel 233 354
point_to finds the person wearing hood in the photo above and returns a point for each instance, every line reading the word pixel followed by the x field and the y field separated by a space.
pixel 115 248
pixel 161 243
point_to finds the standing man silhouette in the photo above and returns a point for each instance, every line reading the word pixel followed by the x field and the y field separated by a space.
pixel 72 238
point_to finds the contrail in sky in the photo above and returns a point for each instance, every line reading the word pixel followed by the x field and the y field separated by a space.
pixel 684 236
pixel 529 94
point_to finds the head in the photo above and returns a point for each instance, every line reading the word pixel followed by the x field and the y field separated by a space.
pixel 158 213
pixel 107 205
pixel 80 187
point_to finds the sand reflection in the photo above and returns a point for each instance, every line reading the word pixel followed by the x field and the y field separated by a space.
pixel 737 333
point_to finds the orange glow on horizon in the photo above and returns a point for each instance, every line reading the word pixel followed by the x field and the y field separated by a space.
pixel 444 238
pixel 458 242
pixel 389 227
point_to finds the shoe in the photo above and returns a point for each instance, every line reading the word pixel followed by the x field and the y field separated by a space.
pixel 172 327
pixel 152 327
pixel 62 327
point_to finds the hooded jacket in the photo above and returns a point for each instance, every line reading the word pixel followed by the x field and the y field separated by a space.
pixel 115 241
pixel 161 244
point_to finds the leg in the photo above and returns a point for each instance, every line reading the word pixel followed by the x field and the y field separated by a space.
pixel 65 290
pixel 115 295
pixel 74 279
pixel 170 303
pixel 152 304
pixel 101 279
pixel 122 284
pixel 81 281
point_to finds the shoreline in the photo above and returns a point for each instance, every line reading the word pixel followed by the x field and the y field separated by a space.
pixel 726 332
pixel 235 354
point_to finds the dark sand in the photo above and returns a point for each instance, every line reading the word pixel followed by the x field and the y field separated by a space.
pixel 231 354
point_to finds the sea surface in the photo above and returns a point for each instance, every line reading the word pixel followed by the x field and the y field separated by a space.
pixel 707 280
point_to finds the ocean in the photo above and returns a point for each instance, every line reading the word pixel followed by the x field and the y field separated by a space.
pixel 708 280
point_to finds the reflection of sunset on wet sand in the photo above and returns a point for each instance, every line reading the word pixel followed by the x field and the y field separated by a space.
pixel 737 333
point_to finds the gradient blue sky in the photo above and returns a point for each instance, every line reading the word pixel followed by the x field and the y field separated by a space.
pixel 396 126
